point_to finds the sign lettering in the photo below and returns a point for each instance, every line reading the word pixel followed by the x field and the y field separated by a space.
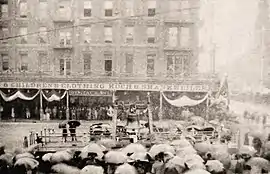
pixel 107 86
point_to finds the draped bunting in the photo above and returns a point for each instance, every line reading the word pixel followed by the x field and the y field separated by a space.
pixel 16 95
pixel 184 101
pixel 53 97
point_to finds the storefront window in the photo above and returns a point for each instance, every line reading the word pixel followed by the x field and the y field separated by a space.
pixel 87 12
pixel 24 62
pixel 87 63
pixel 5 62
pixel 150 65
pixel 129 63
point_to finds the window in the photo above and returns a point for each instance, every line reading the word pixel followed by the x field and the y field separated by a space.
pixel 5 34
pixel 65 67
pixel 87 11
pixel 23 34
pixel 151 8
pixel 5 62
pixel 177 65
pixel 108 7
pixel 65 38
pixel 4 10
pixel 129 34
pixel 87 34
pixel 44 62
pixel 23 9
pixel 151 64
pixel 43 9
pixel 87 63
pixel 129 63
pixel 151 34
pixel 108 34
pixel 173 39
pixel 64 8
pixel 185 12
pixel 129 7
pixel 174 8
pixel 42 35
pixel 185 37
pixel 24 61
pixel 108 64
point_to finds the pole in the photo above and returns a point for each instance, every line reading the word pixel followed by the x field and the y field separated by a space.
pixel 262 59
pixel 160 105
pixel 150 116
pixel 41 113
pixel 114 118
pixel 207 108
pixel 67 104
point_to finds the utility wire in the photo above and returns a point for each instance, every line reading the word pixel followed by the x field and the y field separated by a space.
pixel 96 22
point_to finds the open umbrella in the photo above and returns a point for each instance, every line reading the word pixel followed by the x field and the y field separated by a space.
pixel 74 123
pixel 224 157
pixel 141 156
pixel 185 151
pixel 6 159
pixel 91 169
pixel 115 157
pixel 63 124
pixel 214 166
pixel 157 148
pixel 180 143
pixel 93 148
pixel 108 143
pixel 176 163
pixel 193 157
pixel 28 163
pixel 133 148
pixel 259 162
pixel 65 169
pixel 247 150
pixel 203 148
pixel 125 168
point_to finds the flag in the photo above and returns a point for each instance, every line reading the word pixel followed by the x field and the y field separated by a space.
pixel 223 94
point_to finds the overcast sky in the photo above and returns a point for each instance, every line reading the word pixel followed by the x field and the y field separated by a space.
pixel 233 22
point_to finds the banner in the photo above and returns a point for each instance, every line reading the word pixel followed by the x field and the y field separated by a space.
pixel 18 94
pixel 184 101
pixel 89 93
pixel 53 97
pixel 108 86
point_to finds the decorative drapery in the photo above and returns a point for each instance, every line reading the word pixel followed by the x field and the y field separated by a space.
pixel 184 101
pixel 16 95
pixel 54 96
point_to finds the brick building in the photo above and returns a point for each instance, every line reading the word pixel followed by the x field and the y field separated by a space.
pixel 58 44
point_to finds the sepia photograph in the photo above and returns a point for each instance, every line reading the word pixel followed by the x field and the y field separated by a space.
pixel 134 87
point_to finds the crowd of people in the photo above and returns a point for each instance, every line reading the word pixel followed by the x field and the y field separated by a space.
pixel 180 156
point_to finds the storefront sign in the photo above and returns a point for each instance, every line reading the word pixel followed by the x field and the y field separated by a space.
pixel 89 93
pixel 106 86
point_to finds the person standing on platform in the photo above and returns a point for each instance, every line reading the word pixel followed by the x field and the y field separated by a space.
pixel 13 114
pixel 25 142
pixel 64 133
pixel 72 130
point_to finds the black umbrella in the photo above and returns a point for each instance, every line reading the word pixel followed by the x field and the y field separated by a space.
pixel 74 123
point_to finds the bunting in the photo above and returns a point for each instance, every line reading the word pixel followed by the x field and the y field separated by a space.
pixel 53 97
pixel 16 95
pixel 184 101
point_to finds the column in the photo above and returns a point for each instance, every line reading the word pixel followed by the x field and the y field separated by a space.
pixel 67 110
pixel 41 112
pixel 160 105
pixel 150 116
pixel 114 119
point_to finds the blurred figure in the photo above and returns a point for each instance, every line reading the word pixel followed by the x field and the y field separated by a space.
pixel 27 112
pixel 72 130
pixel 13 114
pixel 1 110
pixel 25 142
pixel 64 133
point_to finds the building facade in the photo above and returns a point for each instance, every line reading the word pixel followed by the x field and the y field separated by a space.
pixel 90 44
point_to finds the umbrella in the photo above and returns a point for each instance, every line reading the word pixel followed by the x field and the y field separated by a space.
pixel 185 151
pixel 203 148
pixel 191 157
pixel 65 169
pixel 33 148
pixel 223 157
pixel 47 157
pixel 141 156
pixel 247 150
pixel 74 123
pixel 157 148
pixel 91 169
pixel 61 156
pixel 133 148
pixel 177 163
pixel 108 143
pixel 63 124
pixel 28 163
pixel 125 168
pixel 115 157
pixel 24 155
pixel 180 143
pixel 93 148
pixel 214 166
pixel 195 164
pixel 259 162
pixel 7 159
pixel 196 171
